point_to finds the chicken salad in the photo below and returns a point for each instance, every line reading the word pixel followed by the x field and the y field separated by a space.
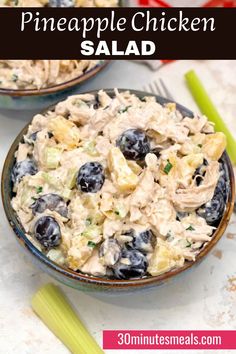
pixel 120 186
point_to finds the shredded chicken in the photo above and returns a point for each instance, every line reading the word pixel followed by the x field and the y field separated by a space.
pixel 191 198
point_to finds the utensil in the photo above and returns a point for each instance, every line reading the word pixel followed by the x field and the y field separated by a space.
pixel 85 282
pixel 158 87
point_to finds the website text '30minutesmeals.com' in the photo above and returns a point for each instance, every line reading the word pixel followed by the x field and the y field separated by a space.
pixel 184 340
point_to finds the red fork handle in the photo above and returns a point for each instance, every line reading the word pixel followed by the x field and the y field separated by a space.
pixel 160 3
pixel 226 3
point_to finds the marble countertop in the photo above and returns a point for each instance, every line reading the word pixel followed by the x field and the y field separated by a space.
pixel 204 298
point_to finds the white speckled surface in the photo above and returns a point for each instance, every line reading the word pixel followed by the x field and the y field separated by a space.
pixel 203 298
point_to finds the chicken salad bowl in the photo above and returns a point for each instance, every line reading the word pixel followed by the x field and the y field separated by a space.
pixel 118 189
pixel 35 84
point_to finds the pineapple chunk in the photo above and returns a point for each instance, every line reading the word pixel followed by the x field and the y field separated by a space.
pixel 65 132
pixel 134 167
pixel 121 173
pixel 79 252
pixel 171 106
pixel 187 166
pixel 163 260
pixel 214 145
pixel 192 161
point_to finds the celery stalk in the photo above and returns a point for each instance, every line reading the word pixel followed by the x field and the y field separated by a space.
pixel 207 108
pixel 53 308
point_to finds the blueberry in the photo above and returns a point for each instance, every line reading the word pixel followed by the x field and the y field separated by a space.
pixel 50 135
pixel 200 172
pixel 52 202
pixel 213 211
pixel 223 183
pixel 61 3
pixel 130 233
pixel 132 264
pixel 134 144
pixel 222 187
pixel 23 168
pixel 91 177
pixel 180 215
pixel 110 251
pixel 33 137
pixel 143 241
pixel 47 232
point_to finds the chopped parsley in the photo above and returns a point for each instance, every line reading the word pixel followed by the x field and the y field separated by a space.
pixel 91 244
pixel 124 109
pixel 200 145
pixel 39 189
pixel 14 77
pixel 34 199
pixel 190 228
pixel 168 167
pixel 117 212
pixel 189 244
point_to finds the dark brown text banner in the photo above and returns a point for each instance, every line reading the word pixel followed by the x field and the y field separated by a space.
pixel 123 33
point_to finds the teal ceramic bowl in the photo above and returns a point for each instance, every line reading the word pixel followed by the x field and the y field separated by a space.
pixel 39 99
pixel 85 282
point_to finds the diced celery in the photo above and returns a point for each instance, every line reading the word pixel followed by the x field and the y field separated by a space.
pixel 51 180
pixel 98 217
pixel 26 196
pixel 66 193
pixel 51 305
pixel 121 210
pixel 71 177
pixel 56 255
pixel 90 148
pixel 52 157
pixel 92 232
